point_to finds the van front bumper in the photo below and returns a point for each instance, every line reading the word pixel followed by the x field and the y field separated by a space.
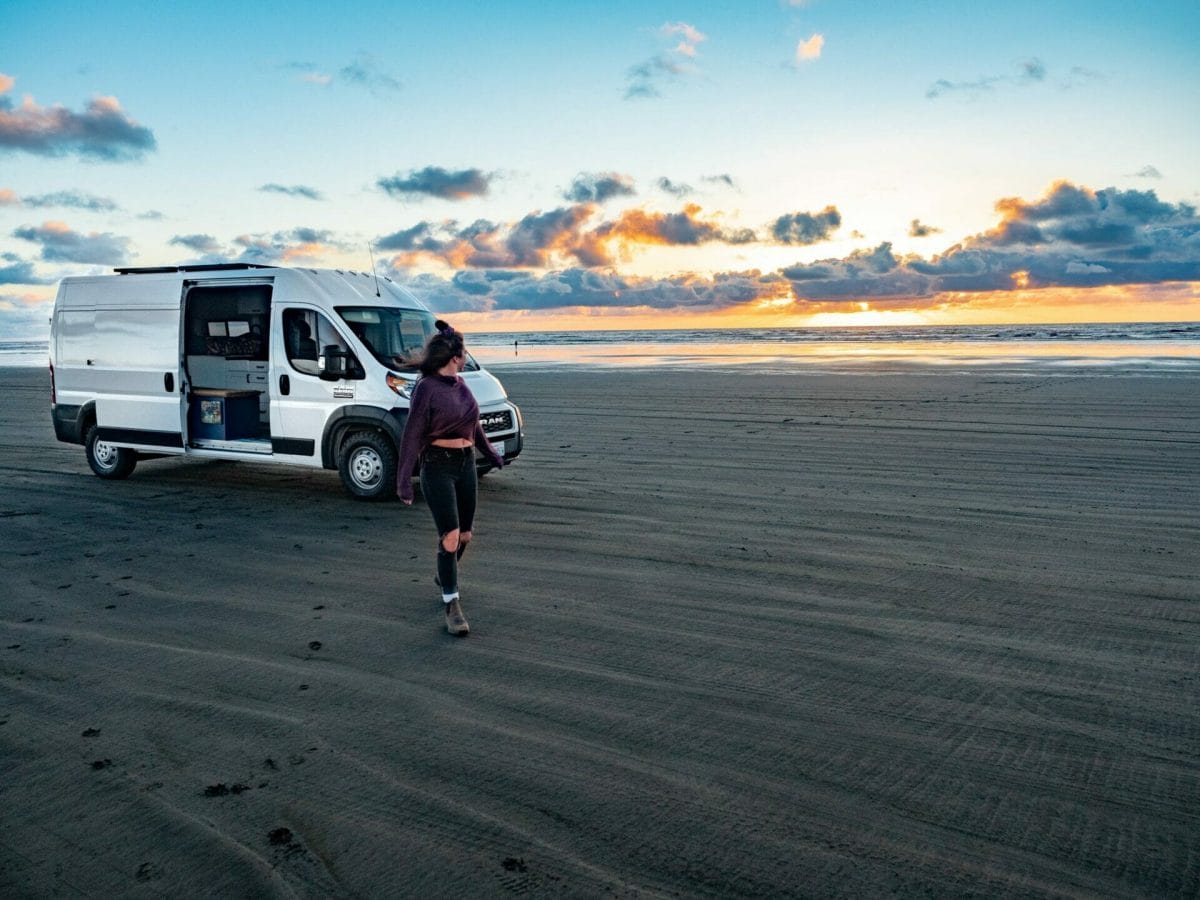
pixel 504 425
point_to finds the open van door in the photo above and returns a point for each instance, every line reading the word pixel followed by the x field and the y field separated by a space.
pixel 225 342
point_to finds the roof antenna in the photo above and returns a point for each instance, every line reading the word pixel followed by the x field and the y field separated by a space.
pixel 373 272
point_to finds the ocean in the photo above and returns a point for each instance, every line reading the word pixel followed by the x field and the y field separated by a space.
pixel 1155 346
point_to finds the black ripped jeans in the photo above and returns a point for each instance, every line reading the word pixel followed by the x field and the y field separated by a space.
pixel 450 486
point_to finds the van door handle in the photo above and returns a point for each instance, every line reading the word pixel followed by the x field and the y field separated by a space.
pixel 285 385
pixel 169 383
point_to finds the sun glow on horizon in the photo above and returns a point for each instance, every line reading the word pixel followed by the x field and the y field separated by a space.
pixel 1172 302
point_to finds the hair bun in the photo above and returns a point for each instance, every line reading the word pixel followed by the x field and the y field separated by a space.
pixel 442 325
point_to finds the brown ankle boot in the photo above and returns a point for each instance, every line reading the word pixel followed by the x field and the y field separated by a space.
pixel 456 622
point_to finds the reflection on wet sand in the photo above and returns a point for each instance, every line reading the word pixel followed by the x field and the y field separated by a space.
pixel 855 355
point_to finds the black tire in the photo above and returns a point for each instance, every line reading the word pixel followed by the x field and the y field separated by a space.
pixel 106 460
pixel 367 465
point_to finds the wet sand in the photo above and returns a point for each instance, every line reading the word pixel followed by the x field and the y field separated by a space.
pixel 731 635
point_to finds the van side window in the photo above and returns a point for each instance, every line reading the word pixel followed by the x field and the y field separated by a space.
pixel 307 335
pixel 298 339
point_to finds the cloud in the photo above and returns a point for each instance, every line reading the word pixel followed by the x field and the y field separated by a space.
pixel 297 246
pixel 1135 223
pixel 973 89
pixel 1078 268
pixel 809 50
pixel 726 180
pixel 645 79
pixel 1029 71
pixel 60 244
pixel 364 71
pixel 434 181
pixel 1032 70
pixel 101 132
pixel 309 73
pixel 539 237
pixel 14 270
pixel 1147 172
pixel 199 243
pixel 689 37
pixel 667 186
pixel 806 228
pixel 581 287
pixel 681 229
pixel 918 229
pixel 1079 76
pixel 596 187
pixel 72 199
pixel 1070 237
pixel 295 190
pixel 10 302
pixel 535 241
pixel 24 316
pixel 557 236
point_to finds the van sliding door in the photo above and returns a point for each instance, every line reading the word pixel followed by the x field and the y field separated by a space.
pixel 133 363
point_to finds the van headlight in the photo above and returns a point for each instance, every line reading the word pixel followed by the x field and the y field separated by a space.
pixel 402 386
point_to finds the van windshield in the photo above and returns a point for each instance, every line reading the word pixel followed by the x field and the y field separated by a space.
pixel 393 336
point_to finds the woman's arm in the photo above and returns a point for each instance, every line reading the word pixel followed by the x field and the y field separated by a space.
pixel 485 447
pixel 413 441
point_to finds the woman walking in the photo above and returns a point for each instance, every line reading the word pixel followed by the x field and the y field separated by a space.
pixel 442 431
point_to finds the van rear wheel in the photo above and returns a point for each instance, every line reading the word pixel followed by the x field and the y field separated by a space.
pixel 368 465
pixel 106 460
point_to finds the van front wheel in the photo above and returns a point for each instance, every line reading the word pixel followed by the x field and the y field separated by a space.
pixel 106 460
pixel 368 466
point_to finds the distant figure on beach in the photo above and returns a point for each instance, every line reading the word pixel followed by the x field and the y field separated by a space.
pixel 442 432
pixel 514 348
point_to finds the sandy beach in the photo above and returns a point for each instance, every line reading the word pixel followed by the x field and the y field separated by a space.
pixel 732 635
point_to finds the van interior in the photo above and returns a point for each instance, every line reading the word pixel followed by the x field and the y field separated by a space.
pixel 226 330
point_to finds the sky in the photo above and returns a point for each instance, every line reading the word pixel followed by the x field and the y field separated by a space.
pixel 538 165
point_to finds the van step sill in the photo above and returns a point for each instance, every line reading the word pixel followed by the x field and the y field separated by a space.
pixel 243 445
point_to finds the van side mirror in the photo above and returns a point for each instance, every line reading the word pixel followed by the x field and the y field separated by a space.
pixel 333 363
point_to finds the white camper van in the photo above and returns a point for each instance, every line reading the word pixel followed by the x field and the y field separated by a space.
pixel 275 365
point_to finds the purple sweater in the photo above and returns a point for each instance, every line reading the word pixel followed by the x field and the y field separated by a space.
pixel 441 406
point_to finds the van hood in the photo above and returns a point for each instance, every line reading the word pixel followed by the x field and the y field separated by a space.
pixel 487 390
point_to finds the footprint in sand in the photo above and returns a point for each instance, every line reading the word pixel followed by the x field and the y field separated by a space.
pixel 286 841
pixel 221 790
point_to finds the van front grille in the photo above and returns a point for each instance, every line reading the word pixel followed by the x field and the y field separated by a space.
pixel 494 422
